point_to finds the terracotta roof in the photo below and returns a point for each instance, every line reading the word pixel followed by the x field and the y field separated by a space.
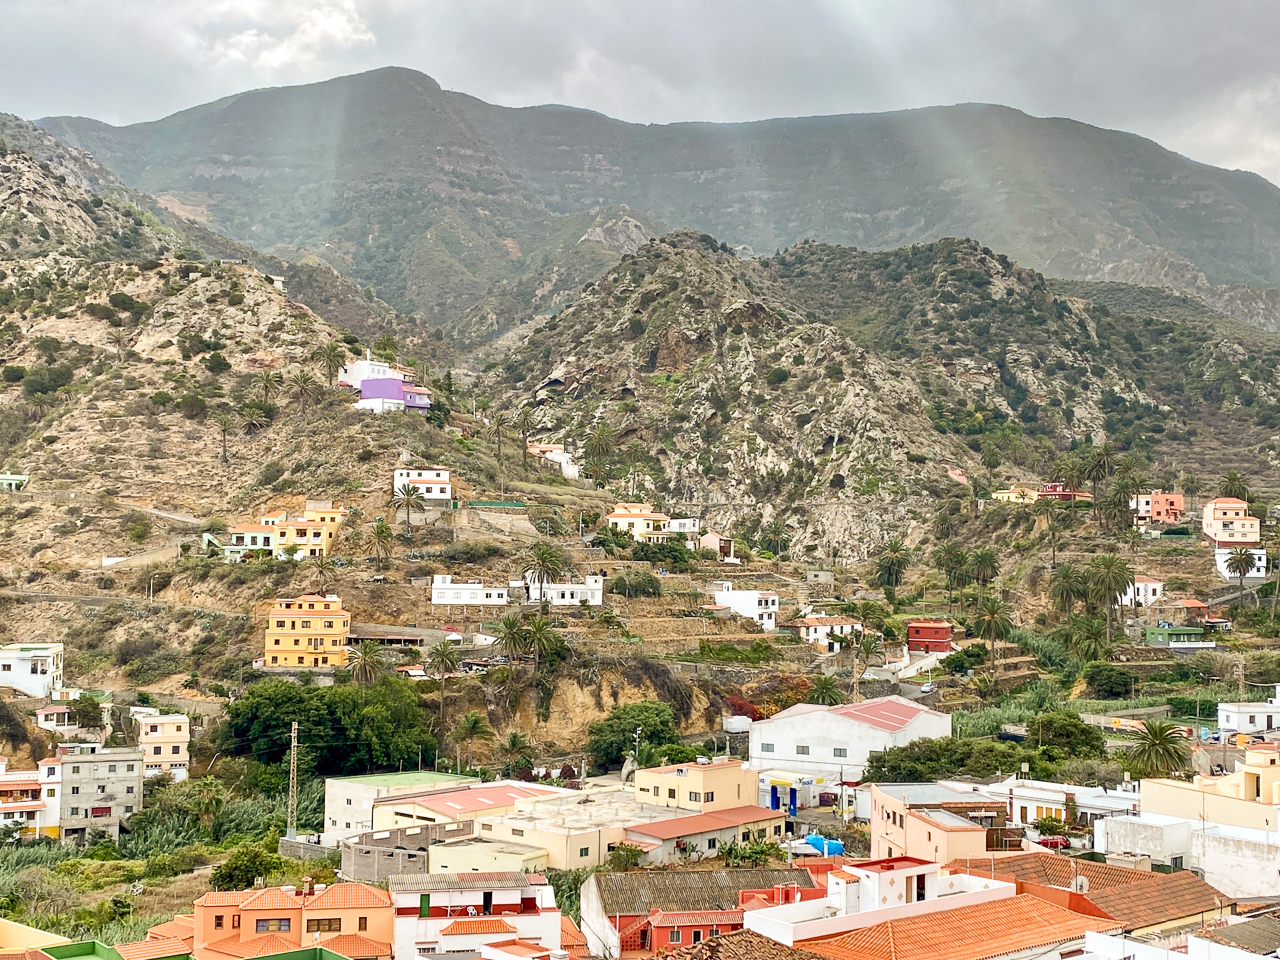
pixel 968 933
pixel 629 894
pixel 349 896
pixel 272 898
pixel 263 946
pixel 887 713
pixel 695 918
pixel 740 945
pixel 223 898
pixel 152 949
pixel 455 802
pixel 356 947
pixel 571 938
pixel 1226 502
pixel 1194 604
pixel 521 948
pixel 472 925
pixel 704 822
pixel 180 927
pixel 1141 578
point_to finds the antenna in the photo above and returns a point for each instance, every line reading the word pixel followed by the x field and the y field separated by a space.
pixel 291 830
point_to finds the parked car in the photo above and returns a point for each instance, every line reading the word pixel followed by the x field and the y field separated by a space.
pixel 926 687
pixel 1054 842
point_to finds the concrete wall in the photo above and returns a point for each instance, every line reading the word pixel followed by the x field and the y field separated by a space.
pixel 379 854
pixel 1161 842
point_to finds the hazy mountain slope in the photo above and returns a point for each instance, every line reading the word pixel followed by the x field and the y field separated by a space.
pixel 836 387
pixel 434 196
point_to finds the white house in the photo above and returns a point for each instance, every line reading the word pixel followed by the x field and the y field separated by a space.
pixel 822 630
pixel 1144 591
pixel 444 591
pixel 758 605
pixel 348 801
pixel 1259 569
pixel 555 453
pixel 432 482
pixel 29 798
pixel 686 530
pixel 458 913
pixel 357 371
pixel 641 521
pixel 1255 717
pixel 1029 800
pixel 590 591
pixel 809 738
pixel 33 669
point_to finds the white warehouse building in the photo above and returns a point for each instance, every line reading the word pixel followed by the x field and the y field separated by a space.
pixel 445 592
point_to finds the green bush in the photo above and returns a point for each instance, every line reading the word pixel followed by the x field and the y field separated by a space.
pixel 635 583
pixel 609 740
pixel 216 363
pixel 13 374
pixel 162 398
pixel 964 660
pixel 235 299
pixel 1109 682
pixel 778 375
pixel 192 406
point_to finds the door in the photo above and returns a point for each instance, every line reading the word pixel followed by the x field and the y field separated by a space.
pixel 791 802
pixel 919 887
pixel 774 802
pixel 488 902
pixel 1024 819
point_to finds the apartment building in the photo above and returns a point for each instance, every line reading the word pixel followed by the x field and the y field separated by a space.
pixel 101 788
pixel 1226 523
pixel 306 631
pixel 432 482
pixel 32 669
pixel 29 798
pixel 164 739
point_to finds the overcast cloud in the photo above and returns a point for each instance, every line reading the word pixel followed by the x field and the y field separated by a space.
pixel 1202 78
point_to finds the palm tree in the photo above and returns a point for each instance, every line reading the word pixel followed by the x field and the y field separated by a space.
pixel 635 454
pixel 1191 488
pixel 774 532
pixel 892 563
pixel 866 648
pixel 386 346
pixel 473 726
pixel 225 423
pixel 367 663
pixel 1160 750
pixel 513 640
pixel 525 422
pixel 332 357
pixel 984 566
pixel 1098 468
pixel 1109 577
pixel 1083 637
pixel 383 537
pixel 1233 484
pixel 208 795
pixel 547 562
pixel 119 338
pixel 269 382
pixel 824 691
pixel 1068 584
pixel 994 623
pixel 323 569
pixel 1053 533
pixel 518 751
pixel 422 373
pixel 1239 563
pixel 1074 475
pixel 601 440
pixel 541 640
pixel 1044 508
pixel 304 388
pixel 443 659
pixel 410 497
pixel 498 426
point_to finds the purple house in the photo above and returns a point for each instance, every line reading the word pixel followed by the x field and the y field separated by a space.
pixel 383 395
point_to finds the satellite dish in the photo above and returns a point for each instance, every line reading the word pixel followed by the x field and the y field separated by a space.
pixel 1080 885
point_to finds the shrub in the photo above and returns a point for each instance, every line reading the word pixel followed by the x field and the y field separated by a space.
pixel 192 406
pixel 162 398
pixel 964 660
pixel 235 299
pixel 13 374
pixel 1108 681
pixel 137 527
pixel 635 583
pixel 216 363
pixel 778 375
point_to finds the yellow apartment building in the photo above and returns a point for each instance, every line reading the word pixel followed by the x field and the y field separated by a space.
pixel 1248 797
pixel 722 784
pixel 164 739
pixel 307 631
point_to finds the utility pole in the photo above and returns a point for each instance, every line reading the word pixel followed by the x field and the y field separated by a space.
pixel 291 829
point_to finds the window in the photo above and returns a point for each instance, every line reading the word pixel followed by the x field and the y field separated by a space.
pixel 584 851
pixel 711 843
pixel 128 789
pixel 801 750
pixel 155 751
pixel 325 925
pixel 75 811
pixel 75 791
pixel 697 936
pixel 362 923
pixel 306 624
pixel 777 830
pixel 50 792
pixel 129 809
pixel 235 917
pixel 708 796
pixel 348 801
pixel 75 769
pixel 695 797
pixel 517 832
pixel 279 925
pixel 671 793
pixel 486 826
pixel 177 748
pixel 48 771
pixel 674 936
pixel 217 921
pixel 840 752
pixel 102 788
pixel 111 768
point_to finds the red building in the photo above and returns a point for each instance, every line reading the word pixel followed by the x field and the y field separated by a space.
pixel 929 636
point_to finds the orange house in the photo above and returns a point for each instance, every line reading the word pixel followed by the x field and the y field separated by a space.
pixel 929 636
pixel 351 919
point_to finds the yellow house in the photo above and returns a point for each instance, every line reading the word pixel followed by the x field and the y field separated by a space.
pixel 1018 493
pixel 164 739
pixel 313 534
pixel 722 784
pixel 306 631
pixel 1249 797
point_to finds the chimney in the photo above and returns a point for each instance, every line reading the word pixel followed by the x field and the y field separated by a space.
pixel 306 886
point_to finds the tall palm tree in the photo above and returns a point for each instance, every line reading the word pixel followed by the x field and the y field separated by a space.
pixel 473 726
pixel 518 751
pixel 226 423
pixel 331 356
pixel 383 537
pixel 120 339
pixel 1067 584
pixel 386 347
pixel 410 497
pixel 1191 489
pixel 994 623
pixel 601 440
pixel 1044 508
pixel 443 660
pixel 1074 475
pixel 892 563
pixel 1053 533
pixel 1098 468
pixel 1160 750
pixel 774 532
pixel 498 426
pixel 1084 638
pixel 547 562
pixel 635 454
pixel 208 795
pixel 541 640
pixel 368 663
pixel 323 569
pixel 1239 563
pixel 824 691
pixel 304 388
pixel 513 640
pixel 1109 577
pixel 525 422
pixel 1233 484
pixel 866 648
pixel 984 566
pixel 269 382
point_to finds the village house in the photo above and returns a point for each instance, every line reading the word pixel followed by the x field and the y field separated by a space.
pixel 555 453
pixel 810 738
pixel 1226 523
pixel 477 855
pixel 444 592
pixel 702 835
pixel 351 919
pixel 1251 717
pixel 1157 507
pixel 1018 493
pixel 101 788
pixel 644 912
pixel 640 520
pixel 356 372
pixel 685 530
pixel 392 395
pixel 164 739
pixel 452 913
pixel 349 801
pixel 589 592
pixel 822 630
pixel 312 534
pixel 459 801
pixel 31 669
pixel 933 822
pixel 432 482
pixel 1063 492
pixel 758 605
pixel 929 636
pixel 1143 591
pixel 29 798
pixel 716 784
pixel 721 544
pixel 309 631
pixel 1027 801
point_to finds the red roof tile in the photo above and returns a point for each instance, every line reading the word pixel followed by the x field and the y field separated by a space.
pixel 472 925
pixel 272 898
pixel 263 946
pixel 696 918
pixel 356 947
pixel 704 822
pixel 349 896
pixel 887 713
pixel 223 898
pixel 152 949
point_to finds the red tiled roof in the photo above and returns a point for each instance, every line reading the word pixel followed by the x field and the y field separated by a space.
pixel 356 947
pixel 571 937
pixel 521 948
pixel 152 949
pixel 180 928
pixel 263 946
pixel 349 896
pixel 454 802
pixel 696 918
pixel 272 898
pixel 740 945
pixel 223 898
pixel 473 925
pixel 704 822
pixel 887 713
pixel 968 933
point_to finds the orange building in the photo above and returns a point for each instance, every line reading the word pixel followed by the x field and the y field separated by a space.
pixel 306 631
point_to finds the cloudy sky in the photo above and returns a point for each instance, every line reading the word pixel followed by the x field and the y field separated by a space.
pixel 1202 78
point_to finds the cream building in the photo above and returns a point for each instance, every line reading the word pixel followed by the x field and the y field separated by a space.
pixel 1248 797
pixel 721 784
pixel 164 739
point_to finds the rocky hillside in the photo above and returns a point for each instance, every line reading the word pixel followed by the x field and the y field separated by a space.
pixel 434 197
pixel 835 388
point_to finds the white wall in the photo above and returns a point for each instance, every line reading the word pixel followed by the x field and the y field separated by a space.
pixel 602 936
pixel 824 733
pixel 432 484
